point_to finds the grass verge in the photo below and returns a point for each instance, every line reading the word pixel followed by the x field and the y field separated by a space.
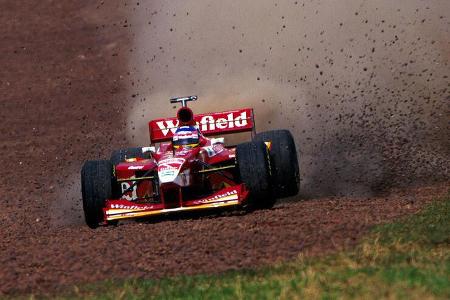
pixel 408 259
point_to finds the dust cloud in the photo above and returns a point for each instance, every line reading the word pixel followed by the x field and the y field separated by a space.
pixel 362 85
pixel 68 210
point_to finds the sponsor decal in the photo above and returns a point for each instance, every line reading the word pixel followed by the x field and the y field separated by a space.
pixel 130 195
pixel 210 151
pixel 167 172
pixel 168 169
pixel 135 167
pixel 230 195
pixel 208 122
pixel 140 190
pixel 180 137
pixel 171 125
pixel 214 149
pixel 130 207
pixel 183 152
pixel 172 161
pixel 218 148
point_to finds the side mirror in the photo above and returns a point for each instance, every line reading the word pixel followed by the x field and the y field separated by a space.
pixel 151 149
pixel 220 140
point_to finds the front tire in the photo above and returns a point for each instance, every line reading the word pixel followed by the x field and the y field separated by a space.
pixel 283 154
pixel 96 187
pixel 254 170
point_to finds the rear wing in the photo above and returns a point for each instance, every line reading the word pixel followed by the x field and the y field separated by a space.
pixel 226 122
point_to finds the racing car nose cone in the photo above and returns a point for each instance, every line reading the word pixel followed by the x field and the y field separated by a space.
pixel 168 169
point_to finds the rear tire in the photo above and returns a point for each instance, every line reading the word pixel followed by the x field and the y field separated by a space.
pixel 283 155
pixel 96 187
pixel 118 156
pixel 254 170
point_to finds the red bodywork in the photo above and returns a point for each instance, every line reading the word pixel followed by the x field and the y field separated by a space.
pixel 174 180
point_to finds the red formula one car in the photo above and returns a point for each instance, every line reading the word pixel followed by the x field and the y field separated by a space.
pixel 185 170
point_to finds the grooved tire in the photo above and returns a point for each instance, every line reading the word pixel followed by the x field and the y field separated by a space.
pixel 118 156
pixel 254 170
pixel 284 162
pixel 96 177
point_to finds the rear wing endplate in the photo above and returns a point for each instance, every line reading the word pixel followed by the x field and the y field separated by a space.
pixel 226 122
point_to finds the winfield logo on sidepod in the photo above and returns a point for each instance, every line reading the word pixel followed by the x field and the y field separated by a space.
pixel 208 123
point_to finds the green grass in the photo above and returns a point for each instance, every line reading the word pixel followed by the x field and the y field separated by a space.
pixel 409 259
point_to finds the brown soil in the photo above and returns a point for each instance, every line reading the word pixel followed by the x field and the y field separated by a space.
pixel 62 84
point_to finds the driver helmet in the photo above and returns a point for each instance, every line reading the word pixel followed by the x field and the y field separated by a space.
pixel 186 137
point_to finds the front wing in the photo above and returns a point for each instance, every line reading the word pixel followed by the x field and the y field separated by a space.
pixel 124 209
